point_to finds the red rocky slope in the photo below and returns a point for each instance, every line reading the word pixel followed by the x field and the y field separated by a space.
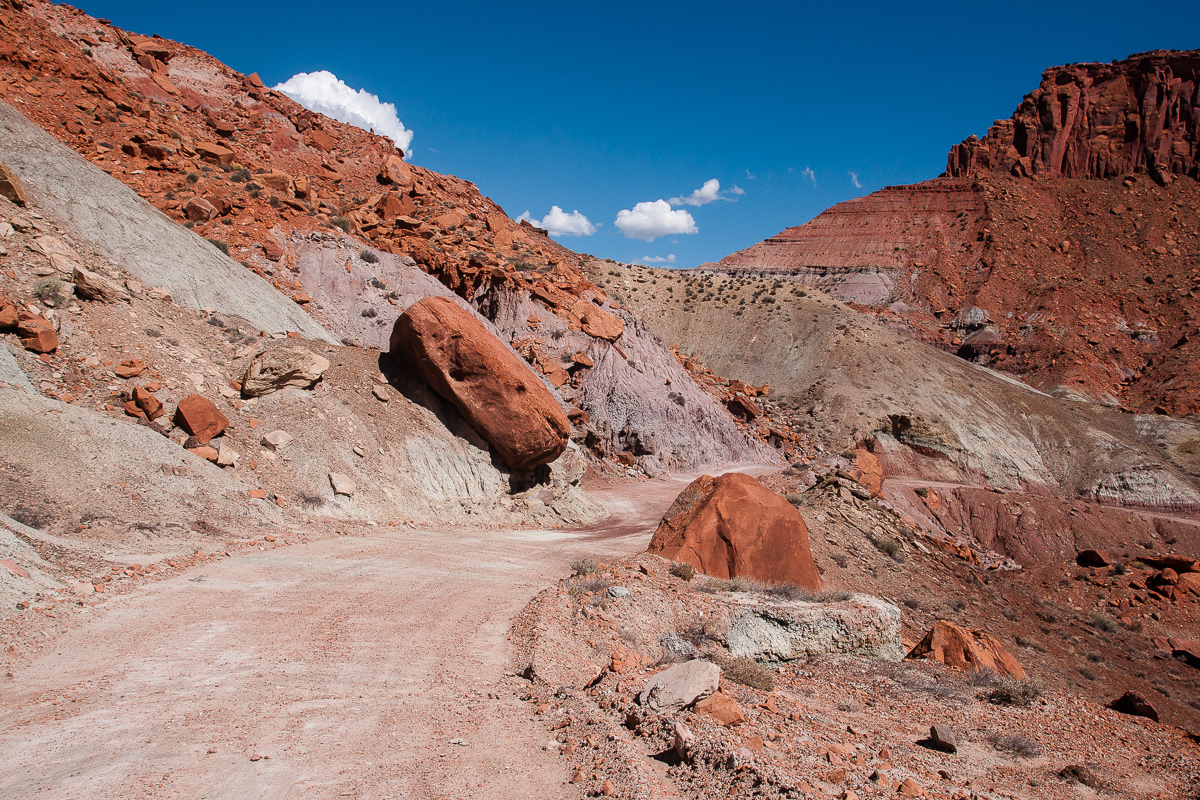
pixel 1050 250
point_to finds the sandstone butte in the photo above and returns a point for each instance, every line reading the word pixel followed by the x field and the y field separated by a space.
pixel 733 526
pixel 1057 248
pixel 965 650
pixel 491 387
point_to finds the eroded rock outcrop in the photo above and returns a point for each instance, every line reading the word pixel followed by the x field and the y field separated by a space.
pixel 490 386
pixel 862 625
pixel 733 526
pixel 965 650
pixel 1097 121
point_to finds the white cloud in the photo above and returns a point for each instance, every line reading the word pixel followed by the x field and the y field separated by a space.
pixel 669 259
pixel 750 175
pixel 812 176
pixel 649 220
pixel 737 190
pixel 560 223
pixel 324 93
pixel 854 180
pixel 710 191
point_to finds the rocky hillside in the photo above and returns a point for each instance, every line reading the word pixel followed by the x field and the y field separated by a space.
pixel 1060 248
pixel 332 217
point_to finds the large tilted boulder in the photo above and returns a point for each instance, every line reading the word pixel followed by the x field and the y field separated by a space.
pixel 490 385
pixel 965 650
pixel 733 526
pixel 283 367
pixel 862 625
pixel 681 685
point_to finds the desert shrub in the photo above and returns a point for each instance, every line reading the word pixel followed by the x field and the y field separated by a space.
pixel 253 191
pixel 1015 744
pixel 50 291
pixel 887 545
pixel 274 202
pixel 594 584
pixel 913 603
pixel 1029 644
pixel 1103 622
pixel 1012 692
pixel 369 312
pixel 192 177
pixel 1095 658
pixel 369 256
pixel 921 491
pixel 1134 626
pixel 340 222
pixel 749 672
pixel 583 566
pixel 310 501
pixel 683 571
pixel 841 559
pixel 222 246
pixel 240 175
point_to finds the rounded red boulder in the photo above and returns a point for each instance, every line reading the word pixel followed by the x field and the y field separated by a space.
pixel 733 526
pixel 490 385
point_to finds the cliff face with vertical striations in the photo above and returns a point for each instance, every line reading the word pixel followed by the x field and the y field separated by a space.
pixel 1062 248
pixel 1098 121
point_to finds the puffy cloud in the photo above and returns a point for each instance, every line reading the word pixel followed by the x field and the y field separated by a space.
pixel 669 259
pixel 710 191
pixel 812 176
pixel 560 223
pixel 324 93
pixel 650 220
pixel 854 180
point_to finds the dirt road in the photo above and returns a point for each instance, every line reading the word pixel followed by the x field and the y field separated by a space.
pixel 370 666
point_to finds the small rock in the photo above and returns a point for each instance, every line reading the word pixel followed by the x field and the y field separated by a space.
pixel 910 788
pixel 381 392
pixel 226 456
pixel 723 708
pixel 283 367
pixel 608 789
pixel 683 740
pixel 199 417
pixel 342 484
pixel 94 286
pixel 11 186
pixel 618 591
pixel 1092 558
pixel 258 494
pixel 129 368
pixel 276 440
pixel 1134 704
pixel 942 738
pixel 82 589
pixel 681 685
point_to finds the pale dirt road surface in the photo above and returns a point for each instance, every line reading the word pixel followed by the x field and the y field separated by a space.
pixel 350 665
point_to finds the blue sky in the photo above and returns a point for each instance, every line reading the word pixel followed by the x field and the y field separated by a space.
pixel 599 108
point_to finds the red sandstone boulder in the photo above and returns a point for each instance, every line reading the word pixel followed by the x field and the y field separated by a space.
pixel 1134 704
pixel 211 151
pixel 37 335
pixel 1092 558
pixel 198 416
pixel 394 170
pixel 733 526
pixel 868 471
pixel 11 186
pixel 489 384
pixel 199 210
pixel 598 322
pixel 966 650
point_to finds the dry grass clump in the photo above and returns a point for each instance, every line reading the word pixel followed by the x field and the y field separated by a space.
pixel 1014 744
pixel 1011 692
pixel 583 566
pixel 748 672
pixel 780 591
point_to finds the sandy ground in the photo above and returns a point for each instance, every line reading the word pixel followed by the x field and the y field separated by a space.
pixel 349 667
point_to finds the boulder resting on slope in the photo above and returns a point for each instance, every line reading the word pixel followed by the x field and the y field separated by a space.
pixel 733 526
pixel 489 384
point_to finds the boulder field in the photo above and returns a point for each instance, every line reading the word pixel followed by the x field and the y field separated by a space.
pixel 490 386
pixel 733 526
